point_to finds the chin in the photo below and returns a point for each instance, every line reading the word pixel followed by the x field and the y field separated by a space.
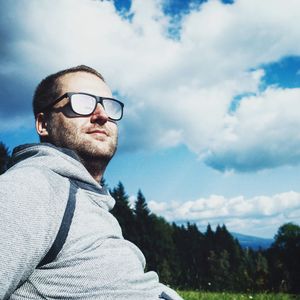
pixel 104 152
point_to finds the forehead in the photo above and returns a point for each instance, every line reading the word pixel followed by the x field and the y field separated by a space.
pixel 84 82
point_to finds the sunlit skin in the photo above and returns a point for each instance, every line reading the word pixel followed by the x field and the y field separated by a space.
pixel 94 137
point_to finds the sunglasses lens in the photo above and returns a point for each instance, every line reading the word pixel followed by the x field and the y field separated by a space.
pixel 83 104
pixel 113 109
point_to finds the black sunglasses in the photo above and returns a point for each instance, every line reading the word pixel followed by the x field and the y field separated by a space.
pixel 84 104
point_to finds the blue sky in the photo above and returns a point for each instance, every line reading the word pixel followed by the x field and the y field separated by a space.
pixel 211 88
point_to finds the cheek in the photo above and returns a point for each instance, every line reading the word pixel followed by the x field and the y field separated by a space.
pixel 64 126
pixel 76 124
pixel 113 129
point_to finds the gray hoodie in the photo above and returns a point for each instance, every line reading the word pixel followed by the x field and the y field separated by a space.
pixel 95 261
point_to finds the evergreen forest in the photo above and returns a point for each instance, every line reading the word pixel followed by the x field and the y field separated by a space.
pixel 186 258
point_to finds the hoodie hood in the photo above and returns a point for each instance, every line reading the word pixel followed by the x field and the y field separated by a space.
pixel 62 161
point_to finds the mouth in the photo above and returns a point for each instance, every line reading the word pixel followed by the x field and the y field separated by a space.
pixel 98 132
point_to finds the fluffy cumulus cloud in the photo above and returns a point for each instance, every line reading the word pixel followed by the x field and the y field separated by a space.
pixel 261 215
pixel 177 90
pixel 262 133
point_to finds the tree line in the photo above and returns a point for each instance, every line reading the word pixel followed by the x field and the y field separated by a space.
pixel 214 260
pixel 187 258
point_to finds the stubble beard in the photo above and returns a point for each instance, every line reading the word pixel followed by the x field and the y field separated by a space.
pixel 94 154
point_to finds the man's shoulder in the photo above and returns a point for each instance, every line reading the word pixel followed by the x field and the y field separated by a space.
pixel 33 186
pixel 26 174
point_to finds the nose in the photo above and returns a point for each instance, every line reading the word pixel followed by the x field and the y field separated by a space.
pixel 99 115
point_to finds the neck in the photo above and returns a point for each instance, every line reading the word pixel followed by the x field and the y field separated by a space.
pixel 95 168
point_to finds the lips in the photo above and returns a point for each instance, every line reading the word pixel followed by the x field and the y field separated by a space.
pixel 98 132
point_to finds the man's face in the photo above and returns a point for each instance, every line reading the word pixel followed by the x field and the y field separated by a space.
pixel 93 137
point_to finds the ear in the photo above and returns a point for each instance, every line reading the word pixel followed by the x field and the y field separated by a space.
pixel 41 125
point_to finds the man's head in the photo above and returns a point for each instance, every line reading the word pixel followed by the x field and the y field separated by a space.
pixel 92 136
pixel 49 88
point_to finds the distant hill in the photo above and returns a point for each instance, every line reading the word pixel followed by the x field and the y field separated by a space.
pixel 254 242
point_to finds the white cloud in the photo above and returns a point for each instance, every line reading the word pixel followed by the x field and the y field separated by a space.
pixel 261 215
pixel 262 133
pixel 176 91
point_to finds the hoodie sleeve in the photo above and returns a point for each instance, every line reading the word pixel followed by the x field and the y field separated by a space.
pixel 27 225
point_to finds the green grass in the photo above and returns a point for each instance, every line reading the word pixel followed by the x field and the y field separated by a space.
pixel 191 295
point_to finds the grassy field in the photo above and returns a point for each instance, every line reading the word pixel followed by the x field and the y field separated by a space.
pixel 188 295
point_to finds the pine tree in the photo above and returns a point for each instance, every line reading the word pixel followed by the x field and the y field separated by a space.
pixel 286 252
pixel 143 227
pixel 141 208
pixel 189 242
pixel 209 245
pixel 210 237
pixel 123 213
pixel 220 270
pixel 261 272
pixel 162 249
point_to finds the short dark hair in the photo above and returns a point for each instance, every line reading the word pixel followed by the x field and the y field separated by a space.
pixel 48 89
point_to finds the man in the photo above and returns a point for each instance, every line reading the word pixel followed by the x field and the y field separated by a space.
pixel 58 239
